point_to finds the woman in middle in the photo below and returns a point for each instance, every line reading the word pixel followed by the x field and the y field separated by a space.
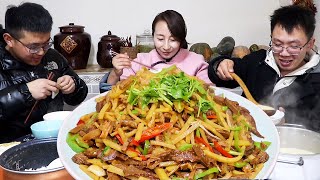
pixel 169 35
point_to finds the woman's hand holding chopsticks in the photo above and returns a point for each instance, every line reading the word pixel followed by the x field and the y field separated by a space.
pixel 120 62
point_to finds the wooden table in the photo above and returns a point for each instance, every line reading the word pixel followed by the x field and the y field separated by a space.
pixel 62 174
pixel 1 174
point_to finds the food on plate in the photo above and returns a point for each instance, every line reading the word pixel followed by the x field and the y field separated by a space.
pixel 166 125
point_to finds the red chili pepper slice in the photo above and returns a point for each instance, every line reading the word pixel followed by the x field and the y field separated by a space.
pixel 212 116
pixel 80 122
pixel 119 138
pixel 152 132
pixel 134 142
pixel 202 141
pixel 219 148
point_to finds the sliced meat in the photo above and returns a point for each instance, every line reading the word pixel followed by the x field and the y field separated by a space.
pixel 110 156
pixel 210 113
pixel 211 139
pixel 134 171
pixel 129 123
pixel 233 106
pixel 182 174
pixel 249 150
pixel 82 133
pixel 99 105
pixel 122 157
pixel 219 100
pixel 203 158
pixel 112 176
pixel 179 156
pixel 236 109
pixel 80 158
pixel 261 157
pixel 167 117
pixel 140 164
pixel 249 119
pixel 77 128
pixel 124 84
pixel 92 152
pixel 153 162
pixel 224 133
pixel 185 116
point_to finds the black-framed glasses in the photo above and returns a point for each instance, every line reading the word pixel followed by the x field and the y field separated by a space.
pixel 36 48
pixel 292 50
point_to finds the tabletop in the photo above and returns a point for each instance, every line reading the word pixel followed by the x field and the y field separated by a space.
pixel 1 174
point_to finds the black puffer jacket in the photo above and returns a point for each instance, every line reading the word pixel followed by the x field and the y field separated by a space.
pixel 301 99
pixel 16 100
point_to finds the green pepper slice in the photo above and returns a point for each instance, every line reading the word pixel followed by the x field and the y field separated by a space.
pixel 71 141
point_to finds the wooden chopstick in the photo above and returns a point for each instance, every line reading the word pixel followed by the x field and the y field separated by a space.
pixel 149 67
pixel 50 76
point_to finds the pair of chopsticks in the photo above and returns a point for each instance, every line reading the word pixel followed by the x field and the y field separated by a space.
pixel 113 53
pixel 50 76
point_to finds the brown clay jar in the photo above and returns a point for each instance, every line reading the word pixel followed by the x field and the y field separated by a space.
pixel 74 44
pixel 106 45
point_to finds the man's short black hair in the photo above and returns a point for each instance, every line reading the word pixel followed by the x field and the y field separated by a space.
pixel 294 16
pixel 29 17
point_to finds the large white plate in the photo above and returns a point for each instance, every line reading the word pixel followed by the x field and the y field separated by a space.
pixel 264 125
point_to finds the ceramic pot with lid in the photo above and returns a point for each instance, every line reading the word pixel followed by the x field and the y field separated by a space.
pixel 106 45
pixel 74 44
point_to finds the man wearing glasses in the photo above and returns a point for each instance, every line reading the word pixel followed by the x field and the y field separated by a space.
pixel 287 75
pixel 26 61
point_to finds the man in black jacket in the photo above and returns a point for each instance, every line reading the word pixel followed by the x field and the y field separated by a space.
pixel 287 76
pixel 26 60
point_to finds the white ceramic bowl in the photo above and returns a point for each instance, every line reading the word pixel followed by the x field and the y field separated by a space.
pixel 278 117
pixel 57 115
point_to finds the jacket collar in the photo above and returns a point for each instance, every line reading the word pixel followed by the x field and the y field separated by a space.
pixel 310 67
pixel 314 59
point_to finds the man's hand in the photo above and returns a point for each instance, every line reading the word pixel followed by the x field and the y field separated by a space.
pixel 42 88
pixel 224 69
pixel 66 84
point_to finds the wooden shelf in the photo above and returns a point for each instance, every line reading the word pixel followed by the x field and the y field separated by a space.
pixel 93 69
